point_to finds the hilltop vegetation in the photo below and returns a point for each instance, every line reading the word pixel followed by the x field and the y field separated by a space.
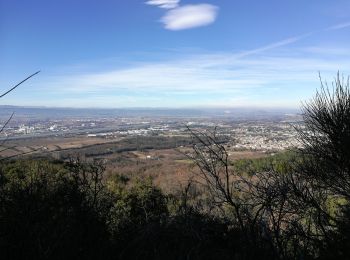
pixel 293 205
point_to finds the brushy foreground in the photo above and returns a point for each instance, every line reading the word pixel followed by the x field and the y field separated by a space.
pixel 292 206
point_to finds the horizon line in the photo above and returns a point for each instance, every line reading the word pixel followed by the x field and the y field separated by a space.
pixel 158 108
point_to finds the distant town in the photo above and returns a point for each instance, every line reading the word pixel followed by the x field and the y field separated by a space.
pixel 261 132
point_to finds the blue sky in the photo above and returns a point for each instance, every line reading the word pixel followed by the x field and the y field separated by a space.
pixel 171 53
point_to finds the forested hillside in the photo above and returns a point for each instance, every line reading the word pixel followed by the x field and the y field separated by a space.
pixel 293 205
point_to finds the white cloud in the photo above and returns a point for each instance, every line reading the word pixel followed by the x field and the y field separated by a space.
pixel 252 77
pixel 338 26
pixel 166 4
pixel 271 79
pixel 223 73
pixel 189 16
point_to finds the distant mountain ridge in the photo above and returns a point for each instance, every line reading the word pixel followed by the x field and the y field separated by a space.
pixel 61 113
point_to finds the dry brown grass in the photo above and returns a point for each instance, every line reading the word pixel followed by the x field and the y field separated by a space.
pixel 169 168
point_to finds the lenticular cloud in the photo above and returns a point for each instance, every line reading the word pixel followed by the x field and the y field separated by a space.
pixel 189 16
pixel 167 4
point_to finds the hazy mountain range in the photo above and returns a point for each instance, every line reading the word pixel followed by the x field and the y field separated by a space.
pixel 62 113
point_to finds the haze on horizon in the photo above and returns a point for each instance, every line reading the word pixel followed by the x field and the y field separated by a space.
pixel 171 53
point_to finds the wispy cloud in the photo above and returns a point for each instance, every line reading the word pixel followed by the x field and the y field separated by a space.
pixel 270 46
pixel 276 73
pixel 189 16
pixel 166 4
pixel 290 40
pixel 338 26
pixel 282 78
pixel 210 74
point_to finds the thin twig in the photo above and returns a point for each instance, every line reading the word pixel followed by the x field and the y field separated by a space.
pixel 13 88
